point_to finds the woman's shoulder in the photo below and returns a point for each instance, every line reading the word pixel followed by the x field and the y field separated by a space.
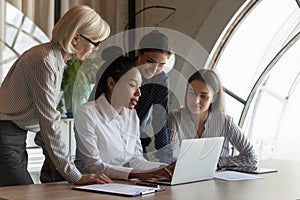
pixel 229 120
pixel 216 117
pixel 46 54
pixel 40 50
pixel 219 114
pixel 88 106
pixel 85 111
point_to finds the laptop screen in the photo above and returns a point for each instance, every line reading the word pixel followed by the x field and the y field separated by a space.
pixel 197 160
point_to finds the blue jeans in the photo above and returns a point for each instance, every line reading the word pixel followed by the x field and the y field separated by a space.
pixel 13 155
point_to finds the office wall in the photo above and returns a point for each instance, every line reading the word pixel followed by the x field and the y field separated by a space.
pixel 202 20
pixel 42 11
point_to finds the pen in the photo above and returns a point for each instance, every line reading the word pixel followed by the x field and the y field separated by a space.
pixel 147 191
pixel 148 185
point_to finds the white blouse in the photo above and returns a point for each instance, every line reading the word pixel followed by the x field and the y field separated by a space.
pixel 108 141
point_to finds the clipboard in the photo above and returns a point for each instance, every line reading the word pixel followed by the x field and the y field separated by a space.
pixel 119 189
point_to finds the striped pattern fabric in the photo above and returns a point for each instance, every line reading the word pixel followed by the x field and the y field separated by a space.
pixel 154 98
pixel 182 127
pixel 29 97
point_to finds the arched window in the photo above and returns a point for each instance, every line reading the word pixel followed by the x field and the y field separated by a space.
pixel 257 60
pixel 19 34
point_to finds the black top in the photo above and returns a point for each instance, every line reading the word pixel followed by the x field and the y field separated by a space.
pixel 155 94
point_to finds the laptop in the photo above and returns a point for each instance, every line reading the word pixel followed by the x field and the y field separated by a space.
pixel 197 161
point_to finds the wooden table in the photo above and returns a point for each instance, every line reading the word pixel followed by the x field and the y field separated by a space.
pixel 284 184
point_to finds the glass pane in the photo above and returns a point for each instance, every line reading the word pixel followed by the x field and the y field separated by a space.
pixel 24 42
pixel 15 43
pixel 284 74
pixel 233 107
pixel 271 121
pixel 6 67
pixel 10 35
pixel 253 44
pixel 8 55
pixel 39 35
pixel 31 29
pixel 274 125
pixel 287 146
pixel 13 15
pixel 264 124
pixel 27 25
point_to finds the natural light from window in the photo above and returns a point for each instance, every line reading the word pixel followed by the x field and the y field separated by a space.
pixel 20 34
pixel 271 87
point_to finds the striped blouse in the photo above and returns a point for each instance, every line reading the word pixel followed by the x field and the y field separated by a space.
pixel 29 97
pixel 182 127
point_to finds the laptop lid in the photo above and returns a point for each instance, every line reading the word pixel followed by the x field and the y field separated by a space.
pixel 197 160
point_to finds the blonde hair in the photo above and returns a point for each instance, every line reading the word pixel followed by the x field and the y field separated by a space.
pixel 81 19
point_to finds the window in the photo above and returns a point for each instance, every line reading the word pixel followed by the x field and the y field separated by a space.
pixel 20 34
pixel 257 62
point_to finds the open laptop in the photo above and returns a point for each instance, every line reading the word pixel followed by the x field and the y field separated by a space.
pixel 197 161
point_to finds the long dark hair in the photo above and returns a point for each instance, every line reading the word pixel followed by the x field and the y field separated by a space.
pixel 210 78
pixel 155 41
pixel 115 69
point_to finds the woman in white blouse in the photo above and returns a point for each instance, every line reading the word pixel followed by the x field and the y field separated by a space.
pixel 107 130
pixel 204 116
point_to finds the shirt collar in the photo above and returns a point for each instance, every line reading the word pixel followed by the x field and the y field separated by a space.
pixel 106 109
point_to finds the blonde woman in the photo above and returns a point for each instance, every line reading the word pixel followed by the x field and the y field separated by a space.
pixel 29 97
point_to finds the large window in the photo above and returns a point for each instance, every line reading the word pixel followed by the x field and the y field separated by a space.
pixel 20 33
pixel 257 60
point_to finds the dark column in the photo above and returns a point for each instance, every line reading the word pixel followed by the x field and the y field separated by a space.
pixel 57 10
pixel 131 25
